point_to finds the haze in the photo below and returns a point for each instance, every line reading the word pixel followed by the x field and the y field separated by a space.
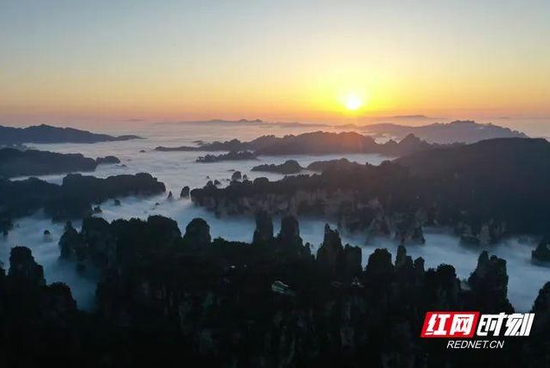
pixel 284 60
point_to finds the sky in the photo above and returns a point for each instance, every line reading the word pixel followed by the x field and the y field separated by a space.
pixel 326 61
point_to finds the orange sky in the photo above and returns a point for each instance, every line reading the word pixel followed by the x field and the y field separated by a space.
pixel 283 61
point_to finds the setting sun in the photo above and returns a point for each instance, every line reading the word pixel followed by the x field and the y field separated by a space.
pixel 353 102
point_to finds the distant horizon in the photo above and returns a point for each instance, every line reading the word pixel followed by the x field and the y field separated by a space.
pixel 26 120
pixel 532 127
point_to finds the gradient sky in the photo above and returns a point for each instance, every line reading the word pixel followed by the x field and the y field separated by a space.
pixel 276 60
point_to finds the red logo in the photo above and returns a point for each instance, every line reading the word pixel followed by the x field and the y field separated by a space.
pixel 458 325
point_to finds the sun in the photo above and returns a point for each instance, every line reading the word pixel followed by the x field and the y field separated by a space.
pixel 353 102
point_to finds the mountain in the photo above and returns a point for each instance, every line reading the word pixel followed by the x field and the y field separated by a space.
pixel 191 300
pixel 288 167
pixel 72 199
pixel 315 143
pixel 495 180
pixel 15 162
pixel 463 131
pixel 502 159
pixel 485 191
pixel 50 134
pixel 255 122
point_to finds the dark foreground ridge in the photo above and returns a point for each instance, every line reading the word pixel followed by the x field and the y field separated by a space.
pixel 485 191
pixel 316 143
pixel 72 199
pixel 49 134
pixel 14 162
pixel 170 300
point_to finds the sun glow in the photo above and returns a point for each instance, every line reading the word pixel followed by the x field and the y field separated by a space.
pixel 353 102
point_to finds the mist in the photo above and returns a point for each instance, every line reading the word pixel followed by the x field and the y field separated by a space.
pixel 178 169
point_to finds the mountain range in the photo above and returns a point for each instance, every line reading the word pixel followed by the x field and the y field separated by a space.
pixel 460 131
pixel 50 134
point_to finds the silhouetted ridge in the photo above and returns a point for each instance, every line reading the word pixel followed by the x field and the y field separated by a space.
pixel 14 162
pixel 288 167
pixel 72 199
pixel 49 134
pixel 316 143
pixel 199 297
pixel 485 191
pixel 463 131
